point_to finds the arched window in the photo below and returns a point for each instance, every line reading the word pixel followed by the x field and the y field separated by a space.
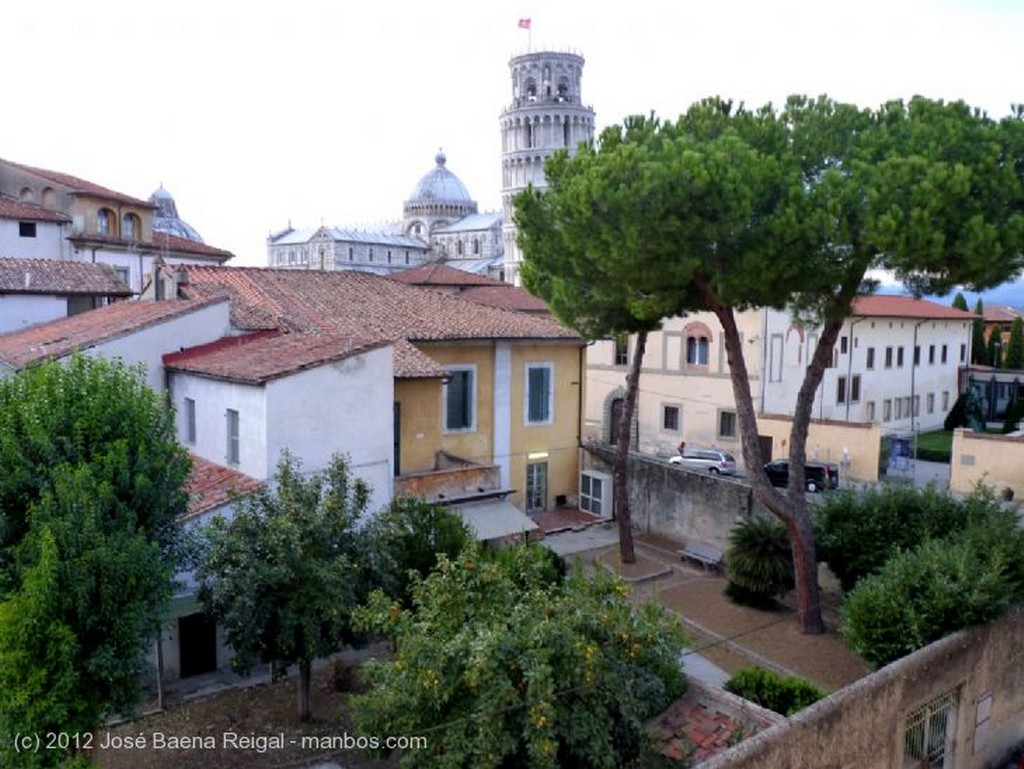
pixel 476 246
pixel 697 350
pixel 103 219
pixel 531 89
pixel 26 194
pixel 698 343
pixel 130 227
pixel 458 248
pixel 49 197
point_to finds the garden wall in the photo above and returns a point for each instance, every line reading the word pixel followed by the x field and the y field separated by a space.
pixel 992 459
pixel 864 725
pixel 680 504
pixel 826 440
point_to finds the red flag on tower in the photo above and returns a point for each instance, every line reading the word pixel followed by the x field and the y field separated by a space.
pixel 524 24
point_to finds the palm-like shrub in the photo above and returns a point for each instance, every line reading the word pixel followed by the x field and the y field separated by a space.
pixel 759 562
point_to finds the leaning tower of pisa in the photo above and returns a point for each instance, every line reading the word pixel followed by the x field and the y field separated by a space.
pixel 547 113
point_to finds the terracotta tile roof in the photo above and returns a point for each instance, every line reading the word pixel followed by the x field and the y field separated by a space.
pixel 50 276
pixel 17 209
pixel 266 355
pixel 62 337
pixel 174 243
pixel 363 305
pixel 440 274
pixel 505 296
pixel 881 306
pixel 211 485
pixel 81 186
pixel 412 363
pixel 1000 314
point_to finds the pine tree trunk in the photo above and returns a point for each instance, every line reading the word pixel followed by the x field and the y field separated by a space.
pixel 620 473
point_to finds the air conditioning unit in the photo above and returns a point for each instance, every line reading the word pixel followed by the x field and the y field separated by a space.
pixel 596 493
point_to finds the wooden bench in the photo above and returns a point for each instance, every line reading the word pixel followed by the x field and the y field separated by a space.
pixel 708 556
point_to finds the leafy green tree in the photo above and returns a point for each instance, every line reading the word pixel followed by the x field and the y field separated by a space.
pixel 979 347
pixel 942 586
pixel 91 481
pixel 502 666
pixel 759 561
pixel 730 209
pixel 959 302
pixel 1015 345
pixel 281 575
pixel 406 539
pixel 858 532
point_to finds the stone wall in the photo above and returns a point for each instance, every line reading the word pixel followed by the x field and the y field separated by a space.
pixel 864 724
pixel 680 504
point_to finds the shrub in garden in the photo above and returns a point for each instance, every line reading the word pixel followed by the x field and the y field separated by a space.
pixel 759 562
pixel 858 531
pixel 782 694
pixel 943 586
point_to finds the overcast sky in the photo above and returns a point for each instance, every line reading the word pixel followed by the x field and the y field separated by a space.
pixel 321 111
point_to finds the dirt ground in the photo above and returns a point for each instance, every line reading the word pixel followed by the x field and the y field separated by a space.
pixel 731 636
pixel 260 711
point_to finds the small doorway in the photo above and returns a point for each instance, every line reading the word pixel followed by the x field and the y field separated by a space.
pixel 197 644
pixel 536 487
pixel 614 418
pixel 765 442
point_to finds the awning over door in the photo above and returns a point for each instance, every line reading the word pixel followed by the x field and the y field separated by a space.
pixel 493 518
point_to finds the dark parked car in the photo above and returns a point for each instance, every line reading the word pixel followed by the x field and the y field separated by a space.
pixel 817 475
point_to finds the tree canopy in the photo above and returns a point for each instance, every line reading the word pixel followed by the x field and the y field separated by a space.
pixel 729 208
pixel 282 574
pixel 91 485
pixel 1015 345
pixel 505 664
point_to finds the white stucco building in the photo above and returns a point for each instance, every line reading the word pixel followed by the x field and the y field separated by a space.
pixel 241 401
pixel 896 364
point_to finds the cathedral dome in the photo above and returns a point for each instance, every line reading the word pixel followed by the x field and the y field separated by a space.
pixel 166 219
pixel 440 185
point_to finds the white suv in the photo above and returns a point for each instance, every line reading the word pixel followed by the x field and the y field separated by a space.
pixel 714 461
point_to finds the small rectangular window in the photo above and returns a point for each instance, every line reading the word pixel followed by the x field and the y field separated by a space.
pixel 963 353
pixel 870 358
pixel 621 349
pixel 945 349
pixel 841 390
pixel 726 424
pixel 899 357
pixel 233 438
pixel 26 229
pixel 917 355
pixel 855 389
pixel 670 418
pixel 931 355
pixel 869 411
pixel 843 342
pixel 899 408
pixel 888 357
pixel 930 403
pixel 190 420
pixel 945 400
pixel 459 397
pixel 886 410
pixel 539 393
pixel 917 405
